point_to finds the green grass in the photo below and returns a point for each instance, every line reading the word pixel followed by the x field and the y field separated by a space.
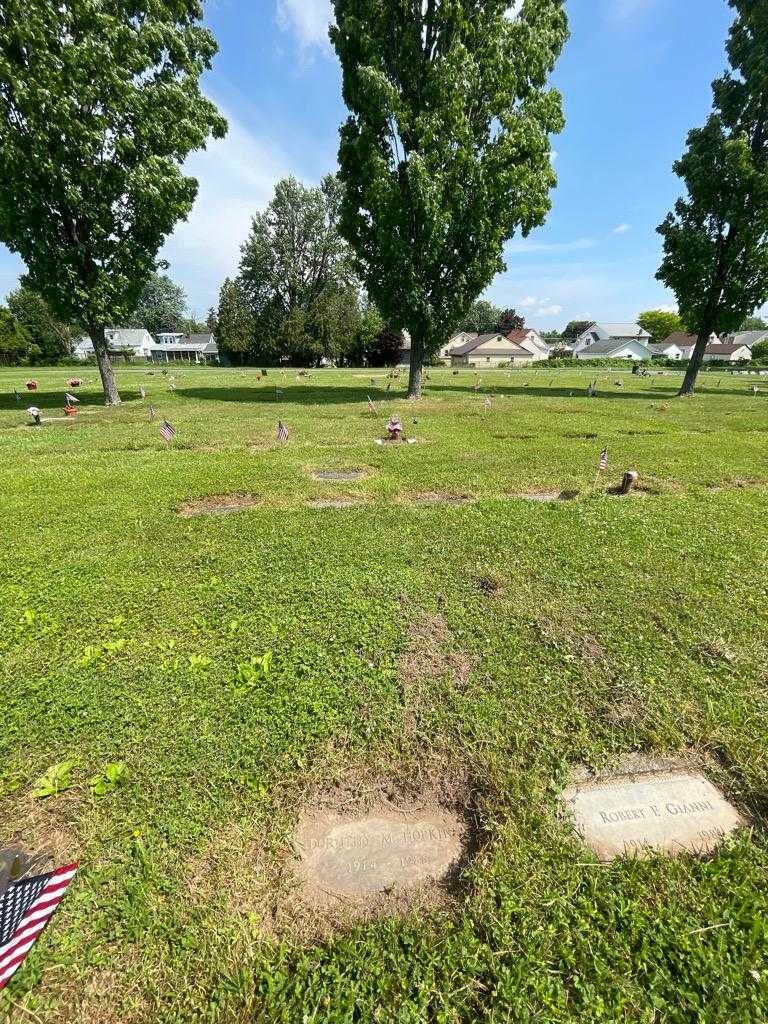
pixel 106 595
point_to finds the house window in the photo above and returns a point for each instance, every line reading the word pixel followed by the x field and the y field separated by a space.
pixel 487 359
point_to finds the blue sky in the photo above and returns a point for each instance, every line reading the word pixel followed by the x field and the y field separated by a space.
pixel 635 78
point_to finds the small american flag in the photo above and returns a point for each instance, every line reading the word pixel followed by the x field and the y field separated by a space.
pixel 172 386
pixel 25 908
pixel 166 431
pixel 371 406
pixel 151 413
pixel 603 464
pixel 282 431
pixel 70 399
pixel 487 404
pixel 142 392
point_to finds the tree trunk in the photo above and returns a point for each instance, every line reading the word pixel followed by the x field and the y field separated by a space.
pixel 416 369
pixel 111 394
pixel 697 359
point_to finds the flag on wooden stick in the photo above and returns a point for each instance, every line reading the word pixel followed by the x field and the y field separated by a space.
pixel 151 413
pixel 70 399
pixel 282 431
pixel 603 464
pixel 167 432
pixel 26 906
pixel 371 406
pixel 142 393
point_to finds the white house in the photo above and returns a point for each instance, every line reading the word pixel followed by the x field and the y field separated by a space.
pixel 456 342
pixel 490 350
pixel 124 341
pixel 686 343
pixel 531 341
pixel 748 338
pixel 190 348
pixel 727 353
pixel 613 341
pixel 667 350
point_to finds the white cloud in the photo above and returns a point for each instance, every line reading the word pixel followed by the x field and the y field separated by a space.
pixel 528 302
pixel 307 19
pixel 524 245
pixel 549 310
pixel 236 176
pixel 621 229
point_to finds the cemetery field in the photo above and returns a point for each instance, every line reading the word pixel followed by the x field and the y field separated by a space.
pixel 445 639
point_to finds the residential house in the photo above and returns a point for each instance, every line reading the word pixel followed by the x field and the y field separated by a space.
pixel 667 350
pixel 686 343
pixel 190 348
pixel 531 341
pixel 133 343
pixel 490 350
pixel 456 341
pixel 727 353
pixel 748 338
pixel 613 341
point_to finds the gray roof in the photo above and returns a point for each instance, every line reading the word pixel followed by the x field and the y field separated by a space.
pixel 198 339
pixel 748 338
pixel 604 348
pixel 623 331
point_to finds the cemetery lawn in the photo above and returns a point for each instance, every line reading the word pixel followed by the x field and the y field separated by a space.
pixel 555 635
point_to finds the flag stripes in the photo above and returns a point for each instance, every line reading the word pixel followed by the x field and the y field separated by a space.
pixel 167 431
pixel 25 908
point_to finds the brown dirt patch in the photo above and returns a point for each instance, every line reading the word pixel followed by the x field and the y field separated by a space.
pixel 42 827
pixel 545 496
pixel 253 871
pixel 435 498
pixel 491 583
pixel 217 505
pixel 428 655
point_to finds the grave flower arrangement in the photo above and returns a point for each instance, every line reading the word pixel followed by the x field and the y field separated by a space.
pixel 74 382
pixel 31 385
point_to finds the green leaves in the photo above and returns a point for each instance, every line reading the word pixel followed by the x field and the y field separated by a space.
pixel 56 780
pixel 251 673
pixel 114 775
pixel 716 239
pixel 446 152
pixel 100 105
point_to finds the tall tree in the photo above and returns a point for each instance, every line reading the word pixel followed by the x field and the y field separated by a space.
pixel 660 323
pixel 716 240
pixel 15 342
pixel 235 323
pixel 297 270
pixel 446 149
pixel 481 317
pixel 510 320
pixel 54 339
pixel 162 306
pixel 99 105
pixel 754 323
pixel 574 328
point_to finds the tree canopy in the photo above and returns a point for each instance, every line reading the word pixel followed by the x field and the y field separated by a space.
pixel 52 338
pixel 446 151
pixel 660 323
pixel 574 328
pixel 162 306
pixel 716 239
pixel 754 323
pixel 296 281
pixel 99 105
pixel 482 317
pixel 15 342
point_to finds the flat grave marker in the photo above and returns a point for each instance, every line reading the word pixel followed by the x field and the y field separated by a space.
pixel 339 474
pixel 667 812
pixel 369 855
